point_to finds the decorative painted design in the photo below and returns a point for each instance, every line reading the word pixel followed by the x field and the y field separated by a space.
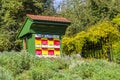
pixel 47 45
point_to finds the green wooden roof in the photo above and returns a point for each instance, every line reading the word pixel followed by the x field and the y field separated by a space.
pixel 43 25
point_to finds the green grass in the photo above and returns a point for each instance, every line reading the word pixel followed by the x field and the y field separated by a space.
pixel 22 66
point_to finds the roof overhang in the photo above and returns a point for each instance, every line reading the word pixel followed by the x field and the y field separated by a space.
pixel 33 20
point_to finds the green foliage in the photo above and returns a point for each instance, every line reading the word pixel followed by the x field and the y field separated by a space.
pixel 41 73
pixel 116 21
pixel 26 67
pixel 15 62
pixel 74 43
pixel 21 66
pixel 94 42
pixel 103 9
pixel 5 44
pixel 5 74
pixel 95 70
pixel 68 45
pixel 84 13
pixel 116 51
pixel 12 15
pixel 116 48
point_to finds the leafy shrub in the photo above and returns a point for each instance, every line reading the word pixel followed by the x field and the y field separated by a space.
pixel 23 76
pixel 116 20
pixel 96 70
pixel 116 52
pixel 21 66
pixel 5 74
pixel 5 44
pixel 41 73
pixel 94 42
pixel 16 62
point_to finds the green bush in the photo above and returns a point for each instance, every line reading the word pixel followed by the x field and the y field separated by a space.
pixel 41 73
pixel 96 70
pixel 23 76
pixel 5 74
pixel 15 62
pixel 5 44
pixel 22 66
pixel 116 52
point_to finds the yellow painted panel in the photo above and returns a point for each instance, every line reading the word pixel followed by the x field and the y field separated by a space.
pixel 57 52
pixel 44 52
pixel 50 42
pixel 37 41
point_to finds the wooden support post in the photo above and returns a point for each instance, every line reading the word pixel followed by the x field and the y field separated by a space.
pixel 24 44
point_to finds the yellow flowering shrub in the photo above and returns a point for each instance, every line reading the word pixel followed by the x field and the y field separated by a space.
pixel 94 42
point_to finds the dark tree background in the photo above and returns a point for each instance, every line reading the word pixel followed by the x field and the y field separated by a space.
pixel 12 16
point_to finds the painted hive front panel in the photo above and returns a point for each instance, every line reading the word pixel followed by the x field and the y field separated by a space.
pixel 47 45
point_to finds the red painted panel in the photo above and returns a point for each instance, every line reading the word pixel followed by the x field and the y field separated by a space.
pixel 44 42
pixel 56 42
pixel 50 52
pixel 38 52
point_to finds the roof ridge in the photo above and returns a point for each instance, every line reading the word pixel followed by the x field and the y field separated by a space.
pixel 48 18
pixel 42 15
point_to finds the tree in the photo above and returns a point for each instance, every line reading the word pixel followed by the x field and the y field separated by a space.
pixel 12 15
pixel 84 13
